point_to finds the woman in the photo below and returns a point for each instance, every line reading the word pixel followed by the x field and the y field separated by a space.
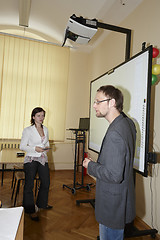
pixel 35 143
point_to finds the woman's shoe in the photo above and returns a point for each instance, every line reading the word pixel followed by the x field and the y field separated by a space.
pixel 37 209
pixel 34 217
pixel 48 207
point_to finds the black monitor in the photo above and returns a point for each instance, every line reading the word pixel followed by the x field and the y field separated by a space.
pixel 84 124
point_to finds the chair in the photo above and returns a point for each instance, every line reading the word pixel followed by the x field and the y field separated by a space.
pixel 16 167
pixel 7 146
pixel 20 177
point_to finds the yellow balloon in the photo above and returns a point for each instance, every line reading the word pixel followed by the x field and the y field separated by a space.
pixel 156 69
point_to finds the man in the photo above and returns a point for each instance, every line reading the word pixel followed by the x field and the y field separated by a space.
pixel 115 197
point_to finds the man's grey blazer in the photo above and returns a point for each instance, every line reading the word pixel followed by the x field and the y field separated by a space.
pixel 115 194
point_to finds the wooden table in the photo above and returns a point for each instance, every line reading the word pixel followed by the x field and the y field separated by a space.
pixel 10 155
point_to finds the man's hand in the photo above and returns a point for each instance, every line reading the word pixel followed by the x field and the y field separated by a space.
pixel 86 161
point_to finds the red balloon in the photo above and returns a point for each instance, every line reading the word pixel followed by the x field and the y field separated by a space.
pixel 155 52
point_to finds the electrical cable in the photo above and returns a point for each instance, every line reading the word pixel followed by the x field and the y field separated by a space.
pixel 151 189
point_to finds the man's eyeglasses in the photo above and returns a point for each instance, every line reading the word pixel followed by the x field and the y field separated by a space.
pixel 98 102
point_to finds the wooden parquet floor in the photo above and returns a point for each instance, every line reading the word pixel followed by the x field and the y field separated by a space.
pixel 67 220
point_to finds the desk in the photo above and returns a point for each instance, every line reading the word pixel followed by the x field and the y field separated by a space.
pixel 11 223
pixel 9 155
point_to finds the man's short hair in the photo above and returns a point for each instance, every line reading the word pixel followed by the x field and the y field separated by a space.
pixel 112 92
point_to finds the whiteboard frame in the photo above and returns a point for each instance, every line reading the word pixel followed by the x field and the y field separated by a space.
pixel 146 118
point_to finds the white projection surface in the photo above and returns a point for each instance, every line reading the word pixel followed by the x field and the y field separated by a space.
pixel 132 79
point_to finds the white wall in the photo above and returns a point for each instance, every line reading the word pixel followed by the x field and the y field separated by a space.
pixel 144 23
pixel 62 156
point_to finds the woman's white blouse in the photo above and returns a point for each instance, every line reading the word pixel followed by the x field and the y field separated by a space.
pixel 31 138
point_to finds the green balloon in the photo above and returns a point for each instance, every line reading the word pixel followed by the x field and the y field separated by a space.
pixel 154 79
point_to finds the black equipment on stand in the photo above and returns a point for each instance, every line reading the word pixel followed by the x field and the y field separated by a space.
pixel 79 138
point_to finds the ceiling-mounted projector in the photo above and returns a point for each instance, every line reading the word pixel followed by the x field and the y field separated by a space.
pixel 80 30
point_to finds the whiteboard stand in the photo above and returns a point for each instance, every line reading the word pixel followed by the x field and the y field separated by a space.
pixel 130 230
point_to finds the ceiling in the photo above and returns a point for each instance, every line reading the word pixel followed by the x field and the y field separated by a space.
pixel 48 18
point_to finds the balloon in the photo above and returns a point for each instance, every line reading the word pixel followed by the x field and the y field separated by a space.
pixel 155 52
pixel 154 79
pixel 156 69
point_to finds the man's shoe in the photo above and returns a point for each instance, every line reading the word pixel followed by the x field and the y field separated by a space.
pixel 34 217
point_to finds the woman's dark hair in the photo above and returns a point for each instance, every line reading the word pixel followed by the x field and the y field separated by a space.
pixel 34 111
pixel 112 92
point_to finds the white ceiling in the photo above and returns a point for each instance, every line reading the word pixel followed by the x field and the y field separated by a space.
pixel 49 18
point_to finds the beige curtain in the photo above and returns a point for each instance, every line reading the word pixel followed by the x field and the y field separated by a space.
pixel 32 74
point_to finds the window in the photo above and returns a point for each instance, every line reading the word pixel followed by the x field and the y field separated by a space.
pixel 32 74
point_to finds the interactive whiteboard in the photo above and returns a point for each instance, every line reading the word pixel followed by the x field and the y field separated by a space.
pixel 133 78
